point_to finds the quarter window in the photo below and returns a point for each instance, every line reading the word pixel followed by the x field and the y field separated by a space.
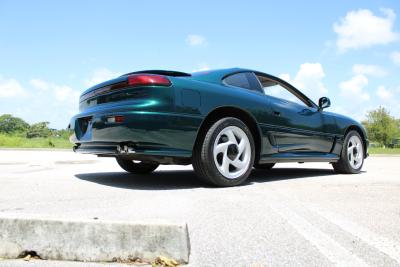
pixel 246 80
pixel 238 80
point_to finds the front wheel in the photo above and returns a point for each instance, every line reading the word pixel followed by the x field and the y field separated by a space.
pixel 137 167
pixel 226 154
pixel 352 155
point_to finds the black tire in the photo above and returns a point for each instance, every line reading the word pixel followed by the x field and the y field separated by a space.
pixel 265 166
pixel 141 167
pixel 203 157
pixel 343 165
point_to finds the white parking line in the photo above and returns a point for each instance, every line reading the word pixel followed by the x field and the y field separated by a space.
pixel 332 250
pixel 388 247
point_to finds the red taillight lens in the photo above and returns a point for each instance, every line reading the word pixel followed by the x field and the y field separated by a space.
pixel 119 119
pixel 148 79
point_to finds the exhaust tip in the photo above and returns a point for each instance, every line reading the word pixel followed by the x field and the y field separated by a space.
pixel 125 149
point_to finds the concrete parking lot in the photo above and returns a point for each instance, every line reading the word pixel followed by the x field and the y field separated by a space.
pixel 293 215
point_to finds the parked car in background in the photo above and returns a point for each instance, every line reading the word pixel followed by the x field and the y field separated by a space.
pixel 224 122
pixel 395 143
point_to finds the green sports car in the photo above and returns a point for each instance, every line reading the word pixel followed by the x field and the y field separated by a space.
pixel 224 122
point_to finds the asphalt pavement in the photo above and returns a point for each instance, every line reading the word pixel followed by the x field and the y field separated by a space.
pixel 293 215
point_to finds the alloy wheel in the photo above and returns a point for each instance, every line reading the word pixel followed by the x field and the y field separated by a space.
pixel 355 152
pixel 232 152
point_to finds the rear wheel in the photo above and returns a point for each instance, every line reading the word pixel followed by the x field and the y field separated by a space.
pixel 226 154
pixel 138 167
pixel 352 155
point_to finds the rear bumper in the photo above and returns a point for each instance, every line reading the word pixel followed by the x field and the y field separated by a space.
pixel 128 151
pixel 111 149
pixel 145 133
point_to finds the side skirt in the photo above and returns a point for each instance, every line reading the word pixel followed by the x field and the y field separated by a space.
pixel 299 157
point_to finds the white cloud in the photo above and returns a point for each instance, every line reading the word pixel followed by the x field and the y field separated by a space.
pixel 100 75
pixel 395 57
pixel 201 67
pixel 388 98
pixel 11 88
pixel 61 93
pixel 372 70
pixel 43 101
pixel 39 84
pixel 196 40
pixel 353 88
pixel 309 80
pixel 353 99
pixel 383 93
pixel 65 93
pixel 361 28
pixel 286 77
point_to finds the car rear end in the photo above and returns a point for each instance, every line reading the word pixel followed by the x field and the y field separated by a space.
pixel 133 114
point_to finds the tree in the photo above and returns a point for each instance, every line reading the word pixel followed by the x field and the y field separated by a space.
pixel 381 127
pixel 39 129
pixel 10 124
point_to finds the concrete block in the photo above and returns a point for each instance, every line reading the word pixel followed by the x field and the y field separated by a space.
pixel 93 240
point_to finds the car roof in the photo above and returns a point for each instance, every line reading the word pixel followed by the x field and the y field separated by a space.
pixel 216 75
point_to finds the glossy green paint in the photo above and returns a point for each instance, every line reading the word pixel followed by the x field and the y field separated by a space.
pixel 166 121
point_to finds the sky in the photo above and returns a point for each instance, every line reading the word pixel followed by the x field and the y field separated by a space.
pixel 51 51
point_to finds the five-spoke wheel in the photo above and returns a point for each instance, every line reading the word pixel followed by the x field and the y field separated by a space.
pixel 352 156
pixel 355 152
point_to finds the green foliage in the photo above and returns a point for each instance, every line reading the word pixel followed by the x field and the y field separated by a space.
pixel 382 150
pixel 381 127
pixel 15 132
pixel 19 141
pixel 39 129
pixel 10 124
pixel 64 133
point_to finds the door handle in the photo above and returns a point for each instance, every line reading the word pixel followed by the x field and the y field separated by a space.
pixel 276 113
pixel 306 112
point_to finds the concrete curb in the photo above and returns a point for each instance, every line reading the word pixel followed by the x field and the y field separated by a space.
pixel 93 241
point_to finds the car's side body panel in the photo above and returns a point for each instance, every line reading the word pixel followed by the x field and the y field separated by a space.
pixel 165 121
pixel 296 130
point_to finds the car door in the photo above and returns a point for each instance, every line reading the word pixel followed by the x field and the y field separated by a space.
pixel 296 124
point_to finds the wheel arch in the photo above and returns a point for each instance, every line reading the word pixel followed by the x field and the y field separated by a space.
pixel 361 133
pixel 235 112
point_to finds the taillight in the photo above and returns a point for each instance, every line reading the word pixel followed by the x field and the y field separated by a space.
pixel 148 79
pixel 115 119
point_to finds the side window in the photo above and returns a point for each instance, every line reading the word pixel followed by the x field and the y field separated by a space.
pixel 246 80
pixel 274 89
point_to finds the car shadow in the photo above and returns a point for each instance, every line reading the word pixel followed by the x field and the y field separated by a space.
pixel 186 179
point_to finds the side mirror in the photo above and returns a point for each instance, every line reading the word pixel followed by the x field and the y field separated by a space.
pixel 324 102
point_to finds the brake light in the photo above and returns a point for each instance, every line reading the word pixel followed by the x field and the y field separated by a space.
pixel 148 79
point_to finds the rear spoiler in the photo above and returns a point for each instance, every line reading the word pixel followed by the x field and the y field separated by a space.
pixel 161 72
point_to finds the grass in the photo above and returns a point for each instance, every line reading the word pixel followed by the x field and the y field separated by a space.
pixel 15 141
pixel 382 150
